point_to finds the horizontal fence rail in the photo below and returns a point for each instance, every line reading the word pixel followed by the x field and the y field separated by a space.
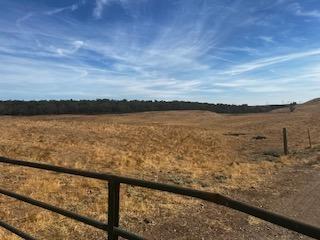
pixel 60 211
pixel 114 182
pixel 16 231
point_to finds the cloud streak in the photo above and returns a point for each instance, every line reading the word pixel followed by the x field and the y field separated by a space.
pixel 75 46
pixel 265 62
pixel 72 8
pixel 100 4
pixel 267 39
pixel 299 11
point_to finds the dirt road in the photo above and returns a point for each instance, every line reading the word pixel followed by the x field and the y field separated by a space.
pixel 293 192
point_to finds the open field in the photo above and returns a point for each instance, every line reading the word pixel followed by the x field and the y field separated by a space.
pixel 198 149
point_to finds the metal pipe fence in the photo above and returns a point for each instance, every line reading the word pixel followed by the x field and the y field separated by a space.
pixel 114 183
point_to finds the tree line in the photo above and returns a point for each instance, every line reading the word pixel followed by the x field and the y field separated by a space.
pixel 104 106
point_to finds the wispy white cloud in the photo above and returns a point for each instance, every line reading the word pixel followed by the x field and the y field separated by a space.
pixel 299 11
pixel 75 46
pixel 72 8
pixel 264 62
pixel 23 18
pixel 100 4
pixel 314 13
pixel 267 39
pixel 238 83
pixel 128 6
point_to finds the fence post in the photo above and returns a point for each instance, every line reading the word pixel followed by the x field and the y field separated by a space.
pixel 285 141
pixel 113 208
pixel 310 144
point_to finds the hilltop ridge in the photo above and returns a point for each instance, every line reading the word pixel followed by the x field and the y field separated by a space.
pixel 315 100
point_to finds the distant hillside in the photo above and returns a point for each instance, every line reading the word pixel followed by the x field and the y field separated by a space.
pixel 315 100
pixel 103 106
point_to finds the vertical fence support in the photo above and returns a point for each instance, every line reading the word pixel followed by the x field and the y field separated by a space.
pixel 113 208
pixel 285 141
pixel 309 136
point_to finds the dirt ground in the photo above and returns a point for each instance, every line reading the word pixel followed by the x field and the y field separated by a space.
pixel 294 192
pixel 236 155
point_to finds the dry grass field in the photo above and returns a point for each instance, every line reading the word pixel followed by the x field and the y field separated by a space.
pixel 197 149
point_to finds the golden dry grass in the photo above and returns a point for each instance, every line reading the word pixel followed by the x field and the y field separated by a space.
pixel 191 148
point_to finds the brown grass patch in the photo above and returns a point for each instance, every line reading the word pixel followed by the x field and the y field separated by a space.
pixel 189 148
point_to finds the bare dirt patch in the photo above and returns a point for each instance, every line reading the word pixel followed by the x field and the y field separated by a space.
pixel 293 192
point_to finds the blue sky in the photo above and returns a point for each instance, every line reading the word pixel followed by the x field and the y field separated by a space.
pixel 230 51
